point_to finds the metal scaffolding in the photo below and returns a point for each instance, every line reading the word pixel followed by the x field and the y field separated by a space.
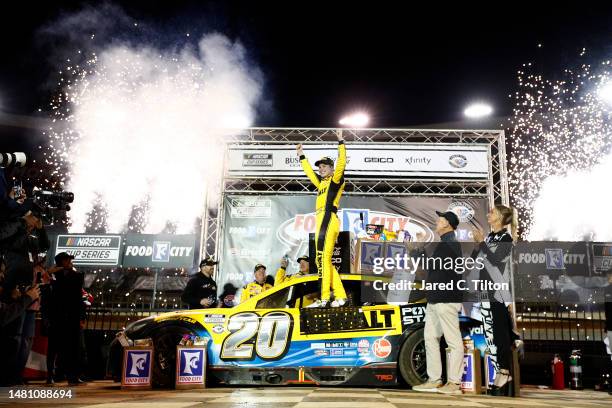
pixel 495 188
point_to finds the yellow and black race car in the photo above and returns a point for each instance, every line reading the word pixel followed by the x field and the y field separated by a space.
pixel 269 339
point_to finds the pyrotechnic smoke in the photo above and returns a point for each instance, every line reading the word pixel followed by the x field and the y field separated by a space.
pixel 139 126
pixel 560 164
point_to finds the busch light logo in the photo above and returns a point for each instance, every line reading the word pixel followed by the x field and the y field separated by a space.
pixel 463 209
pixel 554 258
pixel 458 161
pixel 351 220
pixel 191 366
pixel 138 367
pixel 161 251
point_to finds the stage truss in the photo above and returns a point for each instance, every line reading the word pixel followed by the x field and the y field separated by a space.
pixel 495 188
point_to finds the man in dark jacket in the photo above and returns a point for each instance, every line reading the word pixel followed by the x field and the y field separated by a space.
pixel 66 311
pixel 443 305
pixel 201 290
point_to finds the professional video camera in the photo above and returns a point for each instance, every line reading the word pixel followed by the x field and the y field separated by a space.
pixel 52 204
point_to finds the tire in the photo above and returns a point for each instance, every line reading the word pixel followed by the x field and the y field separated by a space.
pixel 411 359
pixel 165 340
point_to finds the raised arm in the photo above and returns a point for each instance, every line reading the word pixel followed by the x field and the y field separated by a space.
pixel 341 162
pixel 306 167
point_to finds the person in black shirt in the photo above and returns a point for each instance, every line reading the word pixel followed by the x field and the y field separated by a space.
pixel 201 290
pixel 65 313
pixel 443 306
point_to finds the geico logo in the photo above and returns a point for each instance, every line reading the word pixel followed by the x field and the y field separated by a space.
pixel 142 250
pixel 379 159
pixel 539 258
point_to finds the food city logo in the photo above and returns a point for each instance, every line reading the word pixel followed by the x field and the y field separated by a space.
pixel 159 251
pixel 257 159
pixel 458 161
pixel 553 258
pixel 296 229
pixel 463 209
pixel 250 207
pixel 138 367
pixel 191 366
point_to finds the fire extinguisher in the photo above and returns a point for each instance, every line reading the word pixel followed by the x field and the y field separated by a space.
pixel 558 373
pixel 576 370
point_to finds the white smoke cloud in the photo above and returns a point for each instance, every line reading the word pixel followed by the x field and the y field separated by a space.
pixel 575 206
pixel 145 123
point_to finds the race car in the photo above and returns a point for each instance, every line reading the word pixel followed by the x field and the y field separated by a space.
pixel 270 340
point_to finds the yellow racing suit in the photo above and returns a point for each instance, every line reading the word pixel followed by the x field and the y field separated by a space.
pixel 253 289
pixel 281 276
pixel 328 226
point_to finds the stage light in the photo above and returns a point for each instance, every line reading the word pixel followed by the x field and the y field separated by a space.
pixel 356 120
pixel 478 110
pixel 605 93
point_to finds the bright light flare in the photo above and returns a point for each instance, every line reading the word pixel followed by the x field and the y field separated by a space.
pixel 605 93
pixel 478 110
pixel 356 120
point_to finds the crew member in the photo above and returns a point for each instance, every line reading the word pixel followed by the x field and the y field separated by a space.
pixel 330 185
pixel 281 273
pixel 201 290
pixel 257 286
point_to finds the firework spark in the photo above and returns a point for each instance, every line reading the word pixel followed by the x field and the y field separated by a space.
pixel 560 141
pixel 138 131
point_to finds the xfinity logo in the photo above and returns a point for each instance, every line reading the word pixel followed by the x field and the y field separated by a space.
pixel 378 159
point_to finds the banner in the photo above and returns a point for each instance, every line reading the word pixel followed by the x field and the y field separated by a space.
pixel 388 160
pixel 90 250
pixel 158 251
pixel 127 250
pixel 261 229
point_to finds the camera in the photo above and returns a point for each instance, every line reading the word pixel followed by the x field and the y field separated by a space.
pixel 52 205
pixel 17 159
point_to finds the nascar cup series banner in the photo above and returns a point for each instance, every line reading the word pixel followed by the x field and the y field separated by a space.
pixel 261 229
pixel 127 250
pixel 389 160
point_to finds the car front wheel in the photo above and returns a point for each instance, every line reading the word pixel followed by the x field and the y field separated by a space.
pixel 165 341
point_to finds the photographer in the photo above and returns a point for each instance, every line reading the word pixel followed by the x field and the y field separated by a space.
pixel 65 314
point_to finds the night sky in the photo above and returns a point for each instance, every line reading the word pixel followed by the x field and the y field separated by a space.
pixel 407 66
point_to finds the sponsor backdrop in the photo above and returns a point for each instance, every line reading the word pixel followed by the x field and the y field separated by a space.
pixel 261 229
pixel 127 250
pixel 388 160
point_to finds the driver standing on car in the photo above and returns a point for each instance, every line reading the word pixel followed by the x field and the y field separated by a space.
pixel 330 185
pixel 201 290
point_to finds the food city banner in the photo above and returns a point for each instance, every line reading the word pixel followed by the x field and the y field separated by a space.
pixel 388 160
pixel 127 250
pixel 262 229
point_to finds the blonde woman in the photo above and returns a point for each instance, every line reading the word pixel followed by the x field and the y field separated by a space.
pixel 496 249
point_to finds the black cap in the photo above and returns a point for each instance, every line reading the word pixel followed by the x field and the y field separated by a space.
pixel 259 266
pixel 451 217
pixel 303 258
pixel 208 261
pixel 324 160
pixel 61 256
